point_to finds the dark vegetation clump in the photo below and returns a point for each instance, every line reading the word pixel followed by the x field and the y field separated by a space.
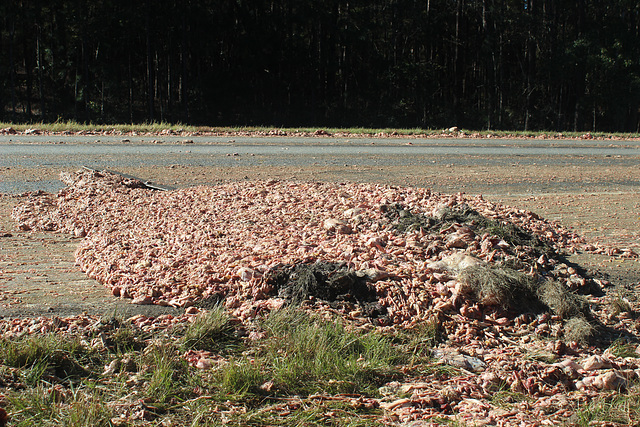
pixel 210 302
pixel 119 336
pixel 521 293
pixel 579 329
pixel 503 286
pixel 333 282
pixel 562 301
pixel 405 221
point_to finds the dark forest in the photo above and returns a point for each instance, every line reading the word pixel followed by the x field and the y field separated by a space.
pixel 478 64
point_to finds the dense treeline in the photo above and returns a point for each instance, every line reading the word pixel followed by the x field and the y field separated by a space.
pixel 493 64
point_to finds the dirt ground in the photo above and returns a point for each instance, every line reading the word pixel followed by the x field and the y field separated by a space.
pixel 38 275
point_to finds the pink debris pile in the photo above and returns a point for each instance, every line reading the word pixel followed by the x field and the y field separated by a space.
pixel 178 247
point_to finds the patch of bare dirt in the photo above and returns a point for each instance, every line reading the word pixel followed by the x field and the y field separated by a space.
pixel 39 276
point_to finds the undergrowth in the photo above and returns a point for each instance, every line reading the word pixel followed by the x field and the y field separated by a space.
pixel 294 369
pixel 117 374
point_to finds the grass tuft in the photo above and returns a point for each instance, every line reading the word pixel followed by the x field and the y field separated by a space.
pixel 507 399
pixel 508 288
pixel 578 329
pixel 241 378
pixel 562 301
pixel 309 355
pixel 620 305
pixel 126 338
pixel 45 354
pixel 513 290
pixel 167 373
pixel 211 331
pixel 422 337
pixel 48 406
pixel 613 409
pixel 622 348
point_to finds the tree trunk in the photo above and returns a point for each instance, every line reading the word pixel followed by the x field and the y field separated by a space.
pixel 12 68
pixel 184 52
pixel 169 89
pixel 456 63
pixel 75 96
pixel 27 66
pixel 158 85
pixel 40 76
pixel 530 56
pixel 130 90
pixel 149 65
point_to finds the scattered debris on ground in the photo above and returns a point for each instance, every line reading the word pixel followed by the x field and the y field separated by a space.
pixel 512 314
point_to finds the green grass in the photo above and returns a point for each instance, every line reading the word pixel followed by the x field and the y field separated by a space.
pixel 46 355
pixel 167 374
pixel 623 409
pixel 311 414
pixel 419 340
pixel 622 348
pixel 45 406
pixel 335 358
pixel 125 339
pixel 58 380
pixel 212 331
pixel 301 372
pixel 507 399
pixel 240 379
pixel 157 127
pixel 71 126
pixel 303 355
pixel 308 355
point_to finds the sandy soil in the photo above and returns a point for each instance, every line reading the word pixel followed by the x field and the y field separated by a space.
pixel 38 275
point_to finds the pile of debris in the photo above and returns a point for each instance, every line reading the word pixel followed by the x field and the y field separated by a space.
pixel 180 246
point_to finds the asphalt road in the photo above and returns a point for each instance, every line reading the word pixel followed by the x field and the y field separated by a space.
pixel 29 163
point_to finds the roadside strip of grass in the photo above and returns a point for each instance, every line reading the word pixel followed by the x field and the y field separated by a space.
pixel 178 128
